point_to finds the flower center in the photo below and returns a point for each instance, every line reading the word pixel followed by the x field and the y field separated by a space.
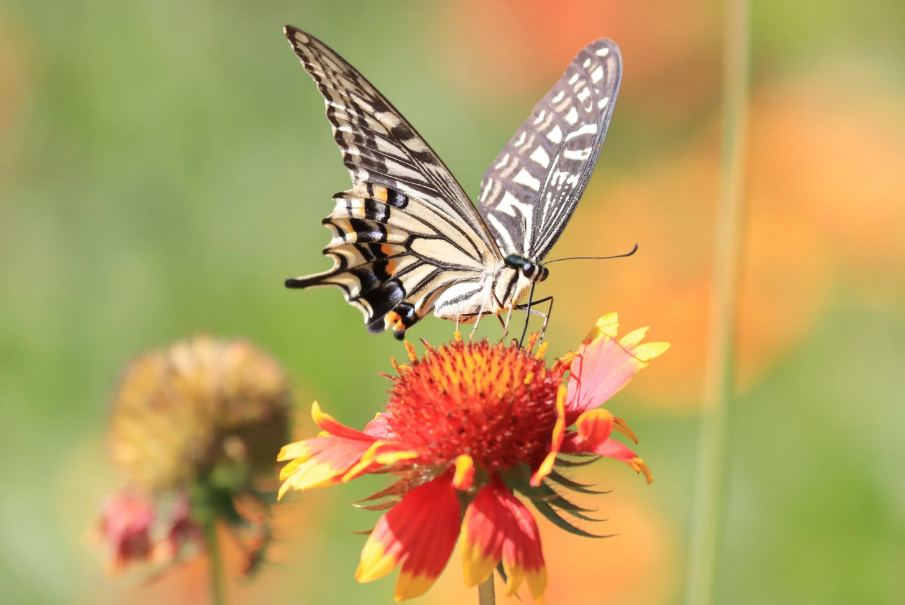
pixel 495 403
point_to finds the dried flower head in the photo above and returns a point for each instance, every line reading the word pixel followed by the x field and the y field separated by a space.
pixel 201 406
pixel 195 428
pixel 466 428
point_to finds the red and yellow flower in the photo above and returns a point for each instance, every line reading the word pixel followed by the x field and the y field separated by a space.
pixel 467 427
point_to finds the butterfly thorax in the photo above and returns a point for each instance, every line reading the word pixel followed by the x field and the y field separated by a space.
pixel 496 292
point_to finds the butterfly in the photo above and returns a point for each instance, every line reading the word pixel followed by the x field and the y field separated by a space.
pixel 407 240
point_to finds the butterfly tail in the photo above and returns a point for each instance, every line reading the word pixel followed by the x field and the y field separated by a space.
pixel 372 260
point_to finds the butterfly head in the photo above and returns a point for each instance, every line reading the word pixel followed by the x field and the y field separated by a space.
pixel 533 272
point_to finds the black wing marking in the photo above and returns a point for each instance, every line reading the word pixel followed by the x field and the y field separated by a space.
pixel 532 187
pixel 393 255
pixel 379 146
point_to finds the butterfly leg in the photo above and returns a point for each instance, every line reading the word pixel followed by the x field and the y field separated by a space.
pixel 475 329
pixel 547 317
pixel 527 308
pixel 504 325
pixel 508 317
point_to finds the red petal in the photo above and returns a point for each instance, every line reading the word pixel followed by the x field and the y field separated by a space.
pixel 320 461
pixel 497 526
pixel 420 533
pixel 378 428
pixel 603 366
pixel 328 423
pixel 125 526
pixel 595 427
pixel 619 451
pixel 610 448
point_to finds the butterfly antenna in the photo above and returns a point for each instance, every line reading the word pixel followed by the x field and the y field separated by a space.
pixel 635 249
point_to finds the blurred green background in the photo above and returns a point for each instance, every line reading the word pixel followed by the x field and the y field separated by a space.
pixel 165 165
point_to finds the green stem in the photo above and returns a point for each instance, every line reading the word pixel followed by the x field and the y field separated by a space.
pixel 215 564
pixel 719 377
pixel 486 595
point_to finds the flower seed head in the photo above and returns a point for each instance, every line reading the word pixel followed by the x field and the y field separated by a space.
pixel 201 406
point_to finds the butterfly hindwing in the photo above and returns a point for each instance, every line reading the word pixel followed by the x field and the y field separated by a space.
pixel 392 255
pixel 533 186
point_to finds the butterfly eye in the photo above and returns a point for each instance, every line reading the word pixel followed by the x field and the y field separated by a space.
pixel 528 270
pixel 544 274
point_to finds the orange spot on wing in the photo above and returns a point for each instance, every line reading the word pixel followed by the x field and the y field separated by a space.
pixel 380 193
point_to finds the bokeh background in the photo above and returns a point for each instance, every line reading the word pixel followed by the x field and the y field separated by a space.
pixel 164 166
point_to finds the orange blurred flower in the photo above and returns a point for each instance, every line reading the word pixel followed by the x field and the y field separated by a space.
pixel 669 211
pixel 470 425
pixel 13 67
pixel 516 46
pixel 824 207
pixel 827 149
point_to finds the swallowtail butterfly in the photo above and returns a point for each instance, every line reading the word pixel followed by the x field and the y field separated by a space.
pixel 406 238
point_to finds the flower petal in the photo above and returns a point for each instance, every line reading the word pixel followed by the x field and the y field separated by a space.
pixel 595 426
pixel 603 366
pixel 481 540
pixel 559 432
pixel 381 453
pixel 419 533
pixel 320 461
pixel 619 424
pixel 328 423
pixel 378 427
pixel 619 451
pixel 632 338
pixel 497 526
pixel 125 528
pixel 387 452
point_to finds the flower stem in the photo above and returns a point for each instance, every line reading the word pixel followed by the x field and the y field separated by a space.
pixel 215 564
pixel 719 377
pixel 486 595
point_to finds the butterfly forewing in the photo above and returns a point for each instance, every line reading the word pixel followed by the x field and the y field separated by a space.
pixel 406 230
pixel 532 187
pixel 378 145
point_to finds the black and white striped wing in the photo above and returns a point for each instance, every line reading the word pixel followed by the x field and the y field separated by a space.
pixel 532 187
pixel 406 230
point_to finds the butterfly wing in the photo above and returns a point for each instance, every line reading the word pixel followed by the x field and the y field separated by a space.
pixel 406 230
pixel 532 187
